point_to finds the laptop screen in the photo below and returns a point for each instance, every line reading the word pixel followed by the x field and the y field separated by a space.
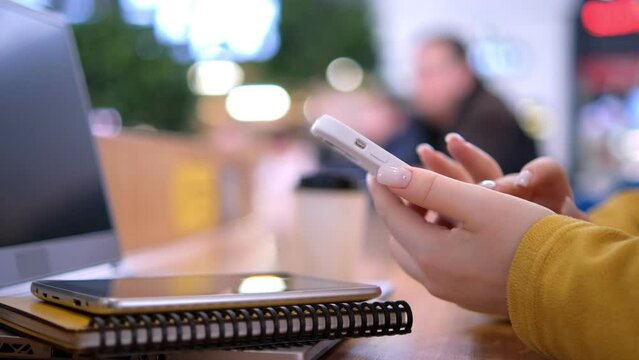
pixel 53 211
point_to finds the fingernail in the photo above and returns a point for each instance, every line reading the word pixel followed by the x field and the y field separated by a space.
pixel 423 146
pixel 393 176
pixel 489 184
pixel 523 179
pixel 453 135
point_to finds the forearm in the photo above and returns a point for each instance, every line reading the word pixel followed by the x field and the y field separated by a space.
pixel 572 290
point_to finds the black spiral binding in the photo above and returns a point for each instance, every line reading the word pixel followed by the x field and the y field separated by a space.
pixel 190 318
pixel 251 327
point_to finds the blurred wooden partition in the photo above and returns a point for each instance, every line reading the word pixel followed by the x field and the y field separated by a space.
pixel 164 187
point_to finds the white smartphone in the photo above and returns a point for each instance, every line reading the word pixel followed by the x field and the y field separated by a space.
pixel 197 292
pixel 355 146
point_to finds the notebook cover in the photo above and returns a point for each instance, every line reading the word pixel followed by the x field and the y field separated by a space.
pixel 41 311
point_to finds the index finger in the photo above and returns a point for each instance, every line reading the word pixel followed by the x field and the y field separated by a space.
pixel 440 163
pixel 476 161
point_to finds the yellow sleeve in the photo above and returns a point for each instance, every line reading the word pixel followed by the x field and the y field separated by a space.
pixel 621 212
pixel 573 290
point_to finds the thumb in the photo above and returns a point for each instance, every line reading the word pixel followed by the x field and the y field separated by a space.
pixel 461 201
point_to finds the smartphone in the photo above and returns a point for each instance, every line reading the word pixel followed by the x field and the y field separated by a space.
pixel 353 145
pixel 197 292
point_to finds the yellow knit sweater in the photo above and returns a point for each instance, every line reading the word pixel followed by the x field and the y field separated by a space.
pixel 573 287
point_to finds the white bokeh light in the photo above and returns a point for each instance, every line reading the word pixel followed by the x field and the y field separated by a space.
pixel 630 145
pixel 264 102
pixel 344 74
pixel 262 284
pixel 238 30
pixel 171 22
pixel 217 29
pixel 214 77
pixel 226 28
pixel 138 12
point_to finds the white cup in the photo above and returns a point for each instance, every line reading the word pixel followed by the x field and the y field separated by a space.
pixel 330 219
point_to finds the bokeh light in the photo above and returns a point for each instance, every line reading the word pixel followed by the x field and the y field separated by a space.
pixel 238 30
pixel 610 18
pixel 105 122
pixel 630 145
pixel 534 119
pixel 214 77
pixel 262 284
pixel 496 57
pixel 264 102
pixel 344 74
pixel 138 12
pixel 211 29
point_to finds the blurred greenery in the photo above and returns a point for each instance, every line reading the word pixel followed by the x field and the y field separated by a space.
pixel 126 69
pixel 145 91
pixel 314 32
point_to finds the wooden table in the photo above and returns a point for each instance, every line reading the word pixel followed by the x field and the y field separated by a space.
pixel 441 330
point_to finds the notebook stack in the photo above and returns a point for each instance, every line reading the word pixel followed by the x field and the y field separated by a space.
pixel 256 327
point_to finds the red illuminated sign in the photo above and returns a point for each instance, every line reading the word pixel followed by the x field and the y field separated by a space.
pixel 610 18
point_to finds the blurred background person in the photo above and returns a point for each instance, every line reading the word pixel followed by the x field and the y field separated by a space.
pixel 448 97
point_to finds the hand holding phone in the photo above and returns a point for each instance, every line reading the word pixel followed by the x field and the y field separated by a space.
pixel 355 146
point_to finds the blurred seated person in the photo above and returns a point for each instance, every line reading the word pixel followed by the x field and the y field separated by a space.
pixel 448 97
pixel 370 112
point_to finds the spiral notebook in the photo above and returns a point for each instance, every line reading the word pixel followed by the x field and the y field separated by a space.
pixel 224 329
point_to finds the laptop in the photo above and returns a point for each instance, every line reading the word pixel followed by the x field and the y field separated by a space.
pixel 54 214
pixel 54 211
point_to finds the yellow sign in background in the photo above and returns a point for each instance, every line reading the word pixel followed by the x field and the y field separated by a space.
pixel 194 196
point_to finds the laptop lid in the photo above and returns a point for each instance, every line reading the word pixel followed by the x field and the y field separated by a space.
pixel 54 215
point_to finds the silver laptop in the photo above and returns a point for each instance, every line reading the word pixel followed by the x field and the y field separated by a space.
pixel 54 214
